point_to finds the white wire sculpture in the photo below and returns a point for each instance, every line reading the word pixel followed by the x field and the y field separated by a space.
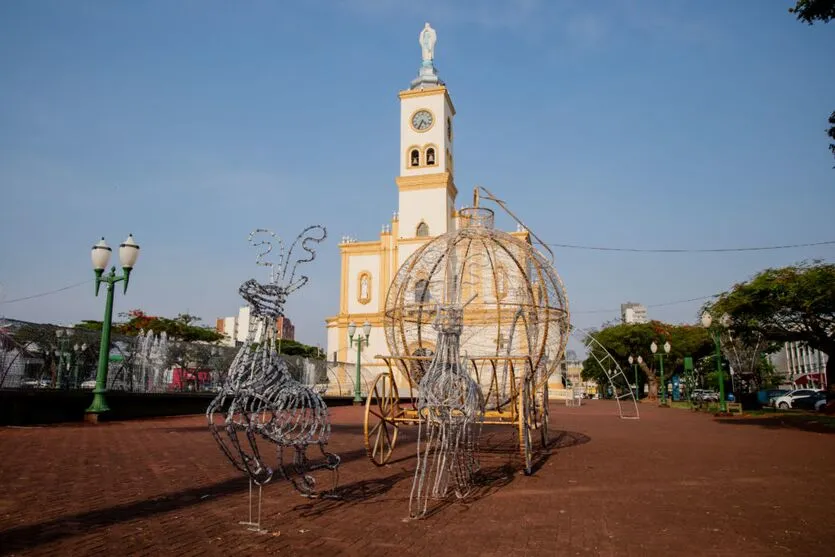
pixel 260 398
pixel 449 407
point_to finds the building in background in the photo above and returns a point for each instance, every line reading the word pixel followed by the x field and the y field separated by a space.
pixel 631 313
pixel 285 329
pixel 800 366
pixel 235 329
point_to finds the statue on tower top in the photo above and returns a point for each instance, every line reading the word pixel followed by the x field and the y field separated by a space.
pixel 427 40
pixel 428 75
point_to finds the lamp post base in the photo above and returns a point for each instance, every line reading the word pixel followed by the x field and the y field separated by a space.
pixel 359 402
pixel 98 406
pixel 91 418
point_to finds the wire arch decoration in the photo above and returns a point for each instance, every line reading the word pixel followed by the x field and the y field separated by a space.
pixel 260 399
pixel 613 371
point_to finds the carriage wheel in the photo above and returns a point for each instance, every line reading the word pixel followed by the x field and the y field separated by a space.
pixel 382 405
pixel 546 414
pixel 523 415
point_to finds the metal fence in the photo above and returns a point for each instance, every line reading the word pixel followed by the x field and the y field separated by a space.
pixel 43 356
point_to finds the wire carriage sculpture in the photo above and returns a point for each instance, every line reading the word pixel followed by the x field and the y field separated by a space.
pixel 514 328
pixel 260 399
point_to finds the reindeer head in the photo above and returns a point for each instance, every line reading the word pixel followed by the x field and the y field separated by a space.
pixel 267 299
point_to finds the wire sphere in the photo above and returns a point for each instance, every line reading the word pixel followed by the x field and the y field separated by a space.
pixel 514 303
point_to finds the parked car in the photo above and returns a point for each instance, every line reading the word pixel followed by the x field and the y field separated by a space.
pixel 35 383
pixel 705 395
pixel 821 399
pixel 798 398
pixel 89 384
pixel 774 394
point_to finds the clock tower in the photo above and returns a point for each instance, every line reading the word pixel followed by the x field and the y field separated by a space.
pixel 425 181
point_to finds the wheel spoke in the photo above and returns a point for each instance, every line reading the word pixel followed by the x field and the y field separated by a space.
pixel 380 429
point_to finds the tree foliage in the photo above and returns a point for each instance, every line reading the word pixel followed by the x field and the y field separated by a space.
pixel 789 304
pixel 625 340
pixel 294 348
pixel 183 327
pixel 812 11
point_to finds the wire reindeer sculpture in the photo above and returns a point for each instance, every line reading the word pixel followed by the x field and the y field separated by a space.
pixel 450 405
pixel 260 400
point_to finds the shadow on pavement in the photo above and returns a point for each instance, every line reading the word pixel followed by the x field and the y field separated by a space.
pixel 805 422
pixel 33 535
pixel 351 494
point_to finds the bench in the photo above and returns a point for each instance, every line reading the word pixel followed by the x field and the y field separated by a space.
pixel 734 407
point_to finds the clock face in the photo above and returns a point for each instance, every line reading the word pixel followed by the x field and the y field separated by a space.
pixel 422 120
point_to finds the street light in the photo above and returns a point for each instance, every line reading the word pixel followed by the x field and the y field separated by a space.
pixel 635 369
pixel 78 350
pixel 64 339
pixel 715 332
pixel 359 340
pixel 654 348
pixel 100 255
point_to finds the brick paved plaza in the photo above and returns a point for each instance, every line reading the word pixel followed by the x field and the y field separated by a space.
pixel 672 483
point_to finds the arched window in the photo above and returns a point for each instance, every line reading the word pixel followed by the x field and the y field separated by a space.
pixel 414 158
pixel 430 156
pixel 422 230
pixel 422 291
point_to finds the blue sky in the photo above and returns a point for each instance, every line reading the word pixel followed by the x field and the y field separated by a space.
pixel 638 124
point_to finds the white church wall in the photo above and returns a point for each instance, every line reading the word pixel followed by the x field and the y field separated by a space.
pixel 333 344
pixel 423 205
pixel 404 251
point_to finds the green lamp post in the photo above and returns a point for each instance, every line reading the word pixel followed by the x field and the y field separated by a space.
pixel 715 332
pixel 635 369
pixel 654 348
pixel 64 337
pixel 128 253
pixel 359 341
pixel 78 350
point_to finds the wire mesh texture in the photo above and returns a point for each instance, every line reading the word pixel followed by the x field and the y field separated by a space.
pixel 513 301
pixel 450 407
pixel 260 398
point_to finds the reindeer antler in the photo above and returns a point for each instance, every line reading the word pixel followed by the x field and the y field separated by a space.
pixel 310 235
pixel 267 299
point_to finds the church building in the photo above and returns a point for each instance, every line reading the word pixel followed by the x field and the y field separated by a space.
pixel 426 209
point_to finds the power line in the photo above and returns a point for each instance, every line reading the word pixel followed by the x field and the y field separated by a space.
pixel 42 294
pixel 710 250
pixel 700 298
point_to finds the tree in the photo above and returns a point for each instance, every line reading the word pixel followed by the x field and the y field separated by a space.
pixel 789 304
pixel 183 327
pixel 625 340
pixel 811 11
pixel 294 348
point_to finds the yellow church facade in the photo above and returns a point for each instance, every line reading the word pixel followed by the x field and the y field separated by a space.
pixel 426 209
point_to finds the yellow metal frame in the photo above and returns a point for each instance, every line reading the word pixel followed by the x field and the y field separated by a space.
pixel 385 413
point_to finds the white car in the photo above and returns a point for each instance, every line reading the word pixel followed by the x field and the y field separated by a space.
pixel 795 398
pixel 89 384
pixel 820 401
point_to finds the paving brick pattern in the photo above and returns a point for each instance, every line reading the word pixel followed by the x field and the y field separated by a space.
pixel 671 483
